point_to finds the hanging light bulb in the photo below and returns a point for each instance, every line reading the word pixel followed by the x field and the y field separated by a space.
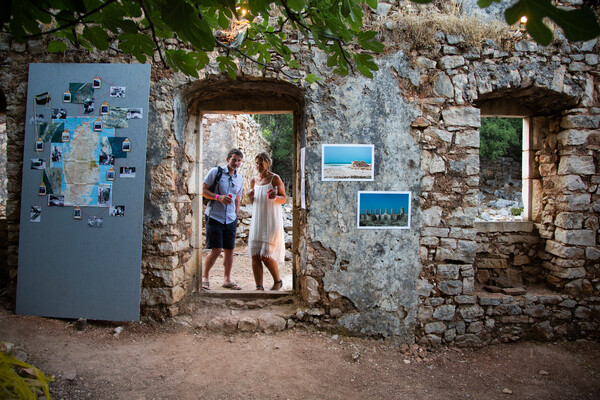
pixel 523 19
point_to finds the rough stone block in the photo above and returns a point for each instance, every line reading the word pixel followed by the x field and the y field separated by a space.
pixel 432 216
pixel 444 312
pixel 467 340
pixel 489 301
pixel 492 263
pixel 450 287
pixel 468 285
pixel 574 201
pixel 576 165
pixel 536 311
pixel 581 237
pixel 568 273
pixel 271 323
pixel 592 253
pixel 569 220
pixel 451 62
pixel 520 259
pixel 247 324
pixel 448 271
pixel 442 85
pixel 574 137
pixel 580 121
pixel 435 327
pixel 310 290
pixel 467 138
pixel 563 251
pixel 583 313
pixel 470 312
pixel 462 116
pixel 463 299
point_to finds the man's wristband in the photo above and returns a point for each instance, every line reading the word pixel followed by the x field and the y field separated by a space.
pixel 216 196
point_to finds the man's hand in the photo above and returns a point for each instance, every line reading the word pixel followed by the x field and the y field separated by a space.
pixel 225 199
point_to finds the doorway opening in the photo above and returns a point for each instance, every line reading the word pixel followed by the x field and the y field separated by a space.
pixel 252 134
pixel 222 114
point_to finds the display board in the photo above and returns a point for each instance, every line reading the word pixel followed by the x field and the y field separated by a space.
pixel 80 244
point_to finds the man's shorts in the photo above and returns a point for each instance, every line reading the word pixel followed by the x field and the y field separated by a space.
pixel 218 235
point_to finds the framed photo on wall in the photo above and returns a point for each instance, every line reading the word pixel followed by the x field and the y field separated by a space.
pixel 383 210
pixel 347 162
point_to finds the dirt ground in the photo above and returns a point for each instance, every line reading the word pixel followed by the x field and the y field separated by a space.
pixel 169 361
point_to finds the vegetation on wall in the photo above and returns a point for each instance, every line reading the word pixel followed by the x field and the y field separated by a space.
pixel 181 33
pixel 278 129
pixel 501 137
pixel 19 380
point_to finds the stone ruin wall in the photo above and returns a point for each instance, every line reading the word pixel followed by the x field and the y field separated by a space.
pixel 421 113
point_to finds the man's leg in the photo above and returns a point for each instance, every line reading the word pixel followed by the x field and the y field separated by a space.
pixel 227 265
pixel 209 261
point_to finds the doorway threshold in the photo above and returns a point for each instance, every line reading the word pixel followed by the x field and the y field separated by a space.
pixel 244 294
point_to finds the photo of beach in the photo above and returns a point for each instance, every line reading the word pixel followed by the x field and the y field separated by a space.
pixel 347 162
pixel 383 210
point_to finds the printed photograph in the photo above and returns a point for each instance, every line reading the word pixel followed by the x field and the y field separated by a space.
pixel 66 97
pixel 117 91
pixel 135 113
pixel 104 109
pixel 39 146
pixel 347 162
pixel 126 145
pixel 77 213
pixel 56 155
pixel 97 83
pixel 103 195
pixel 42 190
pixel 110 175
pixel 97 125
pixel 88 106
pixel 56 200
pixel 38 163
pixel 383 210
pixel 35 214
pixel 59 113
pixel 38 119
pixel 127 172
pixel 95 222
pixel 117 211
pixel 66 136
pixel 81 92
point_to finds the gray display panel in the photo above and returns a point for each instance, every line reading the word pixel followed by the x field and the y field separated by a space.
pixel 81 268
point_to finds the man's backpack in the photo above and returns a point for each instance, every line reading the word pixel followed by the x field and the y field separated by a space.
pixel 213 187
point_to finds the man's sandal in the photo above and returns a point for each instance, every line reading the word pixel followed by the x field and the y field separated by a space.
pixel 232 286
pixel 260 287
pixel 206 285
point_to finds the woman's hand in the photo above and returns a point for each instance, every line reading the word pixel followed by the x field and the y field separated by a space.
pixel 251 196
pixel 272 193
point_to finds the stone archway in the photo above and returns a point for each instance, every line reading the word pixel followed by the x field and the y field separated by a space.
pixel 225 96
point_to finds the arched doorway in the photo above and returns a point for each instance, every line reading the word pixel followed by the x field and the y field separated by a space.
pixel 225 96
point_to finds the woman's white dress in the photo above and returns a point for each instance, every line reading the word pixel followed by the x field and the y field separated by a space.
pixel 266 227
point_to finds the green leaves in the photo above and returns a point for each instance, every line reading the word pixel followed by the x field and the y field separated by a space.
pixel 227 65
pixel 578 25
pixel 138 45
pixel 185 21
pixel 56 46
pixel 96 36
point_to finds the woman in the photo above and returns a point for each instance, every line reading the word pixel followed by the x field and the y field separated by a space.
pixel 265 242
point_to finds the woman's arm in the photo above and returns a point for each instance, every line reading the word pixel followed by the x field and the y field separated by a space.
pixel 251 191
pixel 280 198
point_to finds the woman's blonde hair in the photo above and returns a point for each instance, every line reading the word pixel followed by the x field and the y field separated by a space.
pixel 264 157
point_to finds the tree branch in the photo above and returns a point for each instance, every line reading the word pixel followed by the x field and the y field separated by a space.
pixel 154 38
pixel 72 23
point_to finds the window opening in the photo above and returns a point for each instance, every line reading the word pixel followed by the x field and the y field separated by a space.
pixel 252 134
pixel 503 174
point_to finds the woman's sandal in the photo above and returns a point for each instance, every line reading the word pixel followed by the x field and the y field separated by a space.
pixel 277 285
pixel 206 285
pixel 260 287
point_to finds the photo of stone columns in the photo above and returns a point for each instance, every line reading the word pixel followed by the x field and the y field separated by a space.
pixel 383 210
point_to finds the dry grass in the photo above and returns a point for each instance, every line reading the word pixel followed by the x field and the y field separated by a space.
pixel 418 24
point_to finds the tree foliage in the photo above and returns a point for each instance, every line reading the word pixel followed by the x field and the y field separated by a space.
pixel 182 32
pixel 501 137
pixel 278 129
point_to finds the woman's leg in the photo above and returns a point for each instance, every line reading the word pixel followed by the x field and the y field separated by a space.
pixel 274 270
pixel 257 270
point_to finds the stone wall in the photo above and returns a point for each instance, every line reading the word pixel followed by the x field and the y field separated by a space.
pixel 422 113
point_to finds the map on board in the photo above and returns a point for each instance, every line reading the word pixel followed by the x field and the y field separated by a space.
pixel 80 160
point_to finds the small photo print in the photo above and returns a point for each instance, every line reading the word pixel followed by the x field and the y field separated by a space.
pixel 127 172
pixel 126 146
pixel 35 214
pixel 66 136
pixel 95 222
pixel 117 91
pixel 38 119
pixel 135 113
pixel 56 155
pixel 42 190
pixel 347 162
pixel 56 200
pixel 38 163
pixel 104 195
pixel 98 125
pixel 117 211
pixel 383 210
pixel 66 97
pixel 104 109
pixel 59 113
pixel 77 213
pixel 97 83
pixel 39 145
pixel 88 106
pixel 110 175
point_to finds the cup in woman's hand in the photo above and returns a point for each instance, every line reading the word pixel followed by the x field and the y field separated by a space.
pixel 271 194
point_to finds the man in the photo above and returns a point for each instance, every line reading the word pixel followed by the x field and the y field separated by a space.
pixel 221 216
